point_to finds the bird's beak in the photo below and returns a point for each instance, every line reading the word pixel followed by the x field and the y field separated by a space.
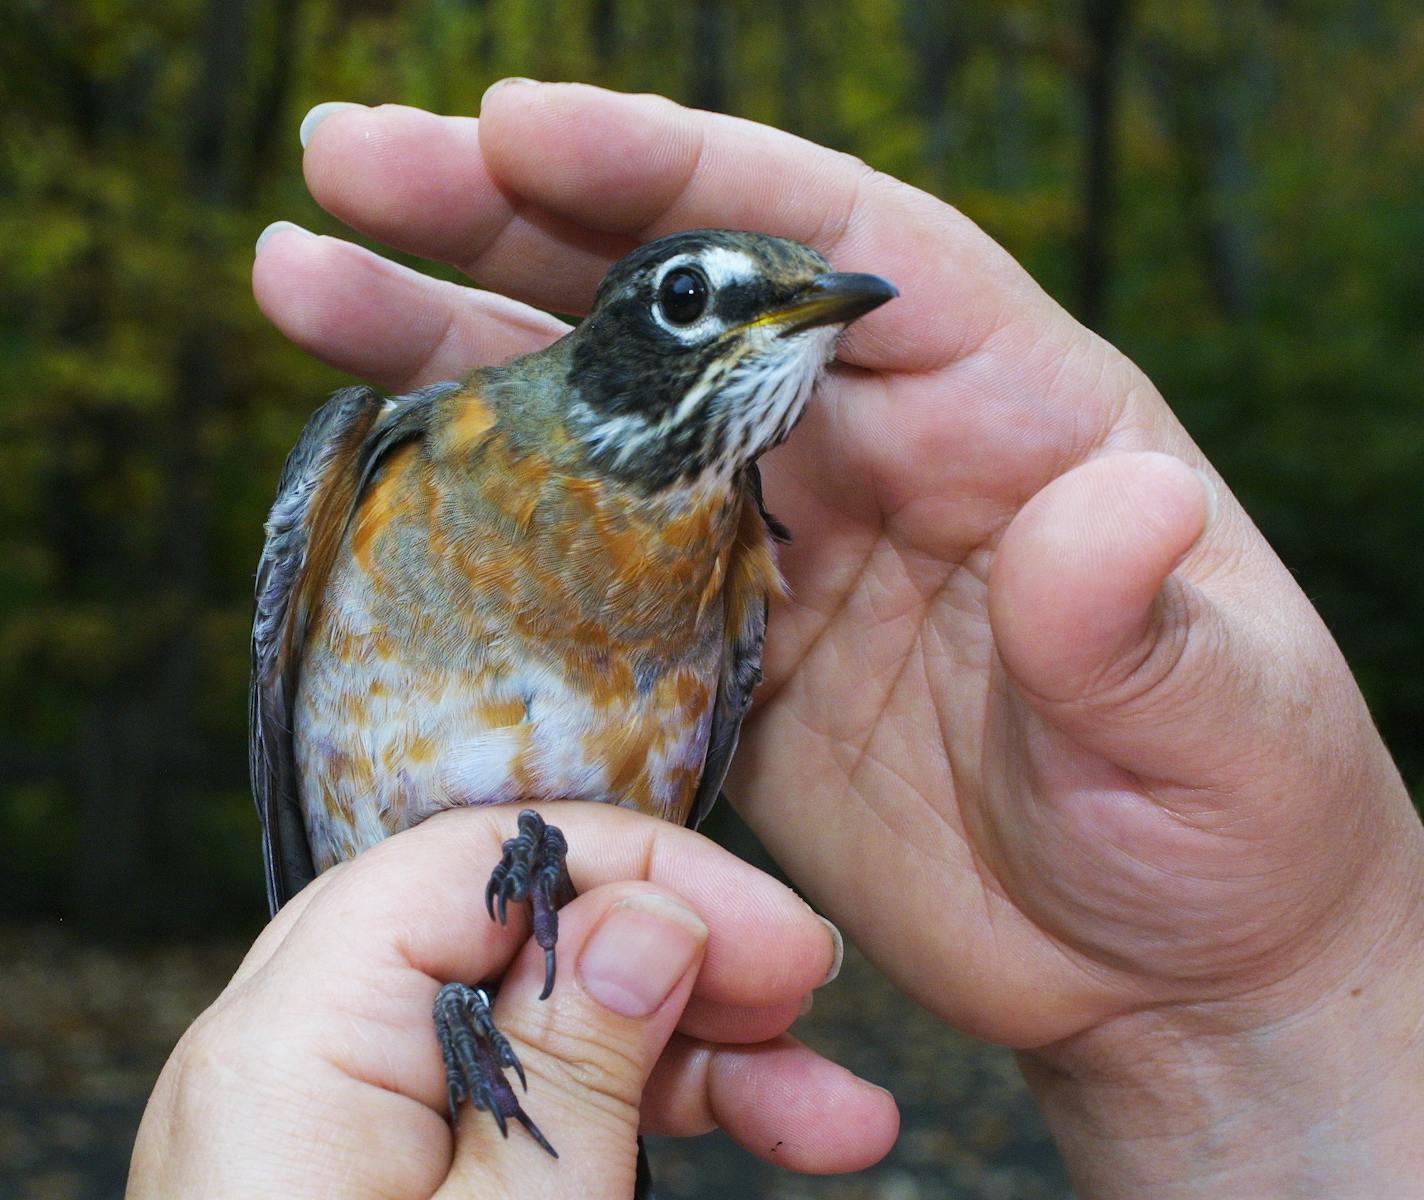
pixel 836 298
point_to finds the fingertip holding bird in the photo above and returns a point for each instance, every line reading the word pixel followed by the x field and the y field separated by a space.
pixel 274 229
pixel 810 1114
pixel 319 113
pixel 507 81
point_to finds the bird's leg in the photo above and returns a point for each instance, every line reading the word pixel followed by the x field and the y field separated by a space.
pixel 533 868
pixel 476 1055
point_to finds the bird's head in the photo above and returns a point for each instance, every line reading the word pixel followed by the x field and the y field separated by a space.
pixel 701 350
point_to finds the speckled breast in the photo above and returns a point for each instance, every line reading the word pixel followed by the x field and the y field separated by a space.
pixel 497 632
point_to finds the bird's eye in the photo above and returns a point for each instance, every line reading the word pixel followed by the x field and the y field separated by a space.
pixel 682 296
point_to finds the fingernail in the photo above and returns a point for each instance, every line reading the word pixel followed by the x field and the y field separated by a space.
pixel 1213 498
pixel 499 83
pixel 806 1001
pixel 319 114
pixel 640 950
pixel 837 951
pixel 275 228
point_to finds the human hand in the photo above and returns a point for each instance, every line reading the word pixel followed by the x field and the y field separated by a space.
pixel 316 1073
pixel 1069 755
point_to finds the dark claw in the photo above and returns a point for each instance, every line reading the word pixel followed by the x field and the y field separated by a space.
pixel 535 1133
pixel 533 868
pixel 550 966
pixel 453 1095
pixel 492 1106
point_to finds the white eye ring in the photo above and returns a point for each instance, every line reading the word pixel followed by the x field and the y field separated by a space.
pixel 693 333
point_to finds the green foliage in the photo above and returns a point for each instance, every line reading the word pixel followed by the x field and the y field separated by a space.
pixel 1265 265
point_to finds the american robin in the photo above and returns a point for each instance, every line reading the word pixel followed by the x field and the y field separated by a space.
pixel 546 582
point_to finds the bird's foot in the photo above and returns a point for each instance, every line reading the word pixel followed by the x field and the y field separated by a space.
pixel 476 1053
pixel 476 1056
pixel 533 869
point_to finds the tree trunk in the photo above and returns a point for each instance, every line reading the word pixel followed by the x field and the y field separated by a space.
pixel 605 32
pixel 938 48
pixel 713 42
pixel 1208 98
pixel 1105 23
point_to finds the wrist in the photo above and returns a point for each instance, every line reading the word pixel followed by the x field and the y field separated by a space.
pixel 1312 1088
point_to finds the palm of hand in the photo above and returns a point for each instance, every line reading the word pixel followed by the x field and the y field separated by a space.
pixel 883 671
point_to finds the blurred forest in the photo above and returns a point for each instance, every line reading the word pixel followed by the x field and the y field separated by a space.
pixel 1231 190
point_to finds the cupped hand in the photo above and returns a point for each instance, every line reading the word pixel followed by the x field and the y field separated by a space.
pixel 316 1073
pixel 1046 725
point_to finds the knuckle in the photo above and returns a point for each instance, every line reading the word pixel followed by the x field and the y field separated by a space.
pixel 591 1063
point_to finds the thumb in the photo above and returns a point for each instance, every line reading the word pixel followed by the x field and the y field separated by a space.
pixel 1100 626
pixel 588 1050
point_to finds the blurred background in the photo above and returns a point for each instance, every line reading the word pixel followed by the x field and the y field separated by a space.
pixel 1230 190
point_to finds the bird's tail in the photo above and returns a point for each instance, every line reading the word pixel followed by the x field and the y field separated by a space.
pixel 643 1188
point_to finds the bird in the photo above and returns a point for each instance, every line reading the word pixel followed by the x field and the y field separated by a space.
pixel 546 581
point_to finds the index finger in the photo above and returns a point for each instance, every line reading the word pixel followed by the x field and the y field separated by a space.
pixel 555 181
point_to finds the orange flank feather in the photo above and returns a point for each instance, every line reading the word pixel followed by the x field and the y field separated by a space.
pixel 335 496
pixel 752 573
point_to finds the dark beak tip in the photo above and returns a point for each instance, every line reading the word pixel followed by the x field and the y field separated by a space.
pixel 855 282
pixel 858 291
pixel 838 298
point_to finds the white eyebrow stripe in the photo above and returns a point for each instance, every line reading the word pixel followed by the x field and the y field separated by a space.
pixel 725 265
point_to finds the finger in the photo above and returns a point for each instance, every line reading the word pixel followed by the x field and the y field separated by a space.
pixel 1117 636
pixel 779 1100
pixel 710 1021
pixel 588 1049
pixel 641 166
pixel 571 177
pixel 419 182
pixel 378 320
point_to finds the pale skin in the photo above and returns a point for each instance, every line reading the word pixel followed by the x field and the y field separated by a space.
pixel 316 1073
pixel 1047 728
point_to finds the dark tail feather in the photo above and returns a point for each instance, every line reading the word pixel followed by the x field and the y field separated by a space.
pixel 643 1188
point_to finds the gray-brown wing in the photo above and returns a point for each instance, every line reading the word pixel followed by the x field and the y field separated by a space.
pixel 301 528
pixel 740 675
pixel 328 470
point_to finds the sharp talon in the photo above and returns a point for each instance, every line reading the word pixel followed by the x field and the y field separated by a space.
pixel 489 899
pixel 549 967
pixel 503 908
pixel 535 1133
pixel 518 1070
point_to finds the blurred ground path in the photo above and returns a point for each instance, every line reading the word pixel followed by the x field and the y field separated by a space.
pixel 84 1030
